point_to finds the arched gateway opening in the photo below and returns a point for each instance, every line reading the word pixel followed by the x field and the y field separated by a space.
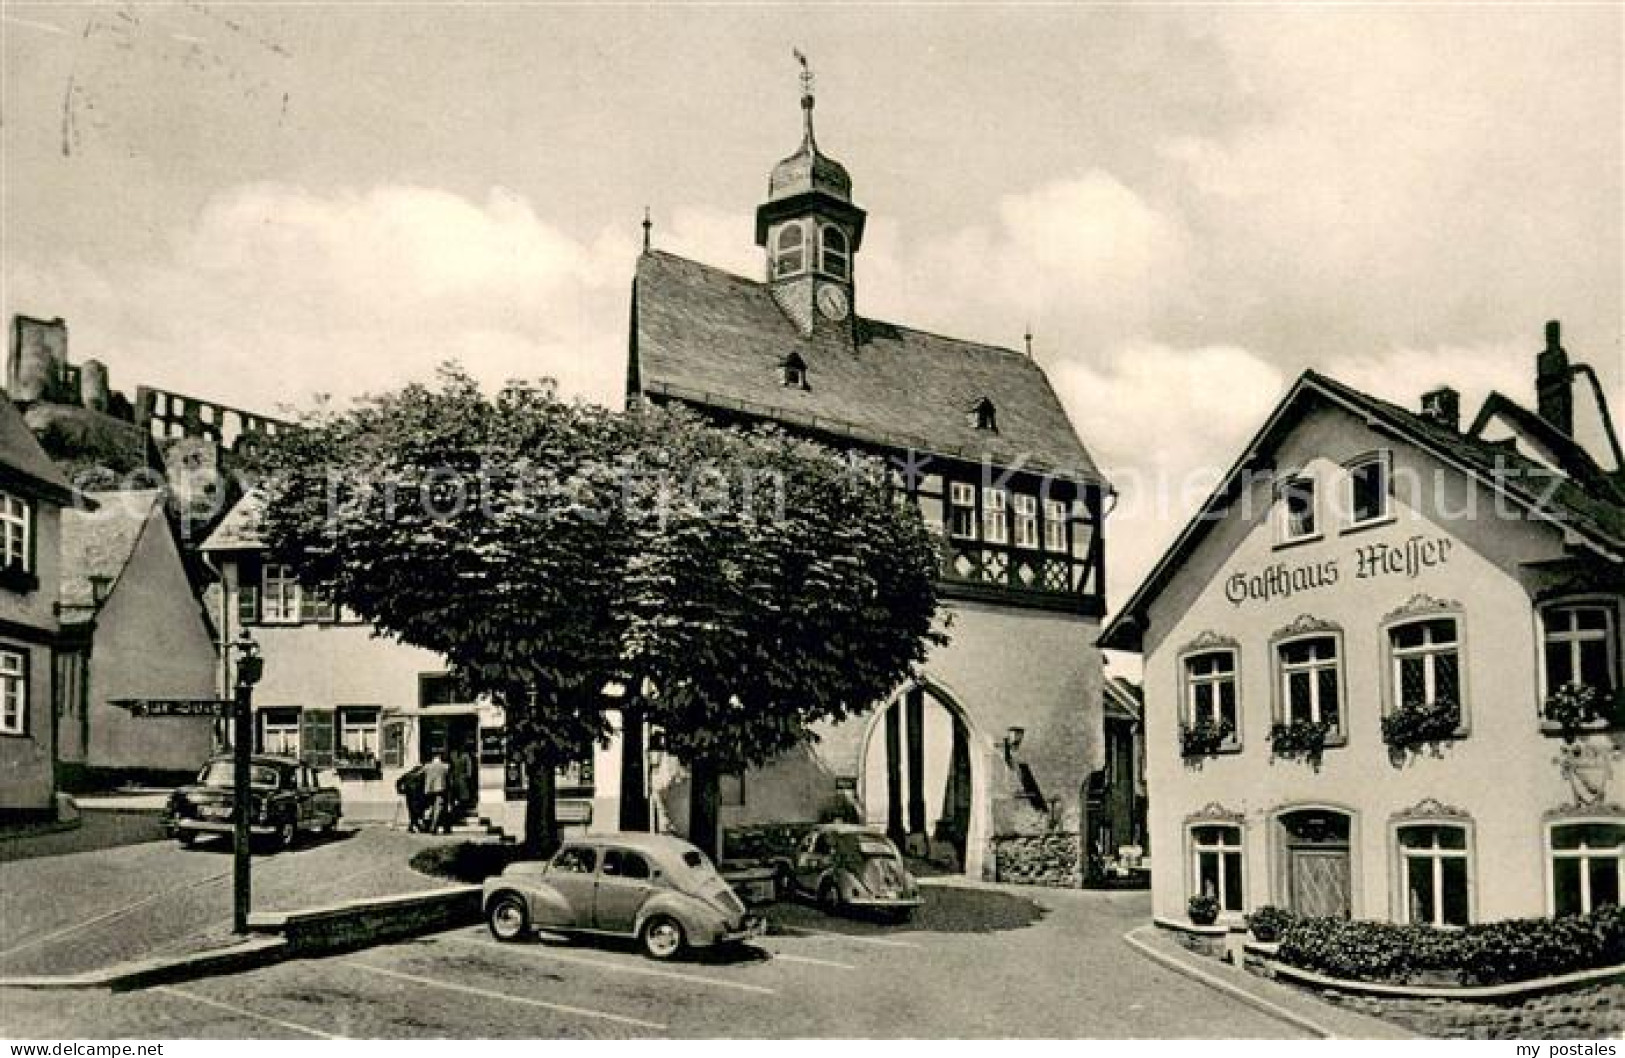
pixel 921 777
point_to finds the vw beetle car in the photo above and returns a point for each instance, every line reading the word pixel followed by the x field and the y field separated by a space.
pixel 659 889
pixel 845 867
pixel 284 801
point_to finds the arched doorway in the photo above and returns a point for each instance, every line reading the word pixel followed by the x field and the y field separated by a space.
pixel 1316 870
pixel 921 776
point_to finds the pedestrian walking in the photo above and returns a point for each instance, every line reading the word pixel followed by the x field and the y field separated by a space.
pixel 436 775
pixel 410 787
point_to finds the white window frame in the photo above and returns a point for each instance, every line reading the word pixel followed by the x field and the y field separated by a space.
pixel 843 255
pixel 995 528
pixel 1026 506
pixel 13 692
pixel 16 532
pixel 371 730
pixel 1384 462
pixel 1437 854
pixel 1574 637
pixel 1285 671
pixel 281 729
pixel 1233 831
pixel 1585 854
pixel 1295 483
pixel 1214 680
pixel 1055 521
pixel 781 251
pixel 961 497
pixel 282 606
pixel 1429 652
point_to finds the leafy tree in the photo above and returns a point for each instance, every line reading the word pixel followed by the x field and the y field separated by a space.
pixel 784 585
pixel 474 527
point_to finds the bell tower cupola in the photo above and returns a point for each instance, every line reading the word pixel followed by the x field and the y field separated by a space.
pixel 810 230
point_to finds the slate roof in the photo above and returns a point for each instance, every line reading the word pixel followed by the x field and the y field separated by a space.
pixel 22 458
pixel 100 543
pixel 708 337
pixel 1593 509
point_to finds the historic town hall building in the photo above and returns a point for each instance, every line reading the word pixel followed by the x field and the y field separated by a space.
pixel 992 749
pixel 1382 665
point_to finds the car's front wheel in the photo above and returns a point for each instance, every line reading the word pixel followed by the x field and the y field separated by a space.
pixel 508 917
pixel 829 897
pixel 185 838
pixel 662 937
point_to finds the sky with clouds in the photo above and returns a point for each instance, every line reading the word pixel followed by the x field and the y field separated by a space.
pixel 1189 205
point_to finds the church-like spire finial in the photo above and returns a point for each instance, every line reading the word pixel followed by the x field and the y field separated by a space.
pixel 806 97
pixel 648 226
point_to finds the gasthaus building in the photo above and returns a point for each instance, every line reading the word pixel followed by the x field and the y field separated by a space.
pixel 1420 599
pixel 983 763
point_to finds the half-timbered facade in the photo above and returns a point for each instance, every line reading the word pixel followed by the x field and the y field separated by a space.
pixel 997 740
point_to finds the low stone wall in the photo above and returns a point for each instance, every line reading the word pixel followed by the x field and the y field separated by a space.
pixel 1041 859
pixel 359 923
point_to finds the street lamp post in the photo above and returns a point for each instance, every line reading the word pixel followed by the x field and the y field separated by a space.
pixel 250 666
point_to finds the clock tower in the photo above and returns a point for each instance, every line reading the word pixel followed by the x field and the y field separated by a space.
pixel 811 231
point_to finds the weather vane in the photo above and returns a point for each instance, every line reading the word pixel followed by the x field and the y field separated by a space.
pixel 806 72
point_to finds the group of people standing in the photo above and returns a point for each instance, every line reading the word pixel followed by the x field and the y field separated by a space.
pixel 440 792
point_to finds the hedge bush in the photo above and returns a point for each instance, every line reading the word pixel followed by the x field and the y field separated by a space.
pixel 1269 922
pixel 1484 954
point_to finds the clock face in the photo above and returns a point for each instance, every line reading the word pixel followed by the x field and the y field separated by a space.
pixel 832 303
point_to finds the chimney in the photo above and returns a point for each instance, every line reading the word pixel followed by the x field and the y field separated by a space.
pixel 1442 407
pixel 1553 392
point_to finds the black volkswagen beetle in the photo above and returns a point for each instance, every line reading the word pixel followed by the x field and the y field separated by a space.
pixel 284 801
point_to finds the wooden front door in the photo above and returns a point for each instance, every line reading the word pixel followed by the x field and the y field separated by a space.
pixel 1319 877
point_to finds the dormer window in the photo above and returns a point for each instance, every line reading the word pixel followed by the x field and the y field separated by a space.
pixel 789 251
pixel 793 371
pixel 836 258
pixel 986 416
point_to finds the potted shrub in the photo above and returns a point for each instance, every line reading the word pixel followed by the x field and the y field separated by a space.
pixel 1299 740
pixel 1412 726
pixel 1203 738
pixel 1203 909
pixel 1269 922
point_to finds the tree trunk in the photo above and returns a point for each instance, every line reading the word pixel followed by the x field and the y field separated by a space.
pixel 634 795
pixel 541 808
pixel 705 808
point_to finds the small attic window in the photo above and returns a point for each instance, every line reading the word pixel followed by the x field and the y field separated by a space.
pixel 793 371
pixel 985 416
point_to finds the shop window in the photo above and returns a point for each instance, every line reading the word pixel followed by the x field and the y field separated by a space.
pixel 995 530
pixel 13 692
pixel 279 732
pixel 1587 861
pixel 1368 489
pixel 1216 864
pixel 837 258
pixel 789 251
pixel 1210 692
pixel 1311 682
pixel 1581 647
pixel 962 510
pixel 1435 874
pixel 1026 520
pixel 1425 665
pixel 16 533
pixel 1297 505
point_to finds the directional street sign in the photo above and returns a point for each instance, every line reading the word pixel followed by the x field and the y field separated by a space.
pixel 174 706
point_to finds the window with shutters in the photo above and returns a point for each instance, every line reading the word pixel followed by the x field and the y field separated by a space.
pixel 279 732
pixel 279 594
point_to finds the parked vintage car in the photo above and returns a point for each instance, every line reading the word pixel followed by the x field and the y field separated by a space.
pixel 846 866
pixel 285 801
pixel 659 889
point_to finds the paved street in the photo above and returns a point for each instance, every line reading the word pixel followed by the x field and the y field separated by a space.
pixel 977 963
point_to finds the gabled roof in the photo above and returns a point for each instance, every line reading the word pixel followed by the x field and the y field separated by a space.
pixel 239 529
pixel 1594 515
pixel 1122 699
pixel 715 339
pixel 100 543
pixel 24 461
pixel 1570 456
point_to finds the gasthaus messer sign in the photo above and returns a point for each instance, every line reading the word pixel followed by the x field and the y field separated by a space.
pixel 1406 559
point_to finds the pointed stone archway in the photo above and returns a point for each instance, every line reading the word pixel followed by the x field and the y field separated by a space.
pixel 923 774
